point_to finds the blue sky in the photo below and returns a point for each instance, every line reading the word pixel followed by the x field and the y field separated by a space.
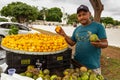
pixel 111 7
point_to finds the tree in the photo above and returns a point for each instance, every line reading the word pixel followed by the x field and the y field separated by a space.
pixel 54 14
pixel 3 20
pixel 116 22
pixel 21 11
pixel 98 8
pixel 72 19
pixel 107 20
pixel 43 13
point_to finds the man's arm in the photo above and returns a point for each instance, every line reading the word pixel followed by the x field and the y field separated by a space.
pixel 67 38
pixel 103 43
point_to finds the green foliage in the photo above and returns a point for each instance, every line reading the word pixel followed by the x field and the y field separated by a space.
pixel 116 22
pixel 21 11
pixel 40 16
pixel 54 14
pixel 53 17
pixel 13 19
pixel 13 30
pixel 3 20
pixel 43 13
pixel 72 19
pixel 107 20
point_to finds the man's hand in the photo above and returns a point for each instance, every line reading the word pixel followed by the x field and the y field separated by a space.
pixel 60 31
pixel 96 43
pixel 103 43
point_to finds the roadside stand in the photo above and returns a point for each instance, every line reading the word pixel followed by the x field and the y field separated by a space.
pixel 41 57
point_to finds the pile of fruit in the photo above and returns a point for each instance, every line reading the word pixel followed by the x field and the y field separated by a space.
pixel 68 74
pixel 35 42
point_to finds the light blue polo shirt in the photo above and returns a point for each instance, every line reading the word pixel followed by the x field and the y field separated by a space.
pixel 85 52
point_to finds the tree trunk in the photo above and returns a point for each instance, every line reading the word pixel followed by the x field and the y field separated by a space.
pixel 98 8
pixel 21 19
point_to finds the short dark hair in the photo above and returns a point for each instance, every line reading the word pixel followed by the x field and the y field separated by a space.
pixel 82 8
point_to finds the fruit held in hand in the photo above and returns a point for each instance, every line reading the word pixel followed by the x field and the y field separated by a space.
pixel 58 28
pixel 93 37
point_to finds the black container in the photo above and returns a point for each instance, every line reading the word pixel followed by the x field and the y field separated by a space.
pixel 51 61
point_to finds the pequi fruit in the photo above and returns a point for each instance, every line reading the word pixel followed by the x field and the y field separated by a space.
pixel 79 78
pixel 53 77
pixel 100 77
pixel 47 77
pixel 29 74
pixel 22 74
pixel 73 77
pixel 35 77
pixel 75 74
pixel 46 72
pixel 40 72
pixel 66 77
pixel 65 72
pixel 93 37
pixel 83 69
pixel 59 78
pixel 77 70
pixel 58 28
pixel 85 77
pixel 30 67
pixel 41 75
pixel 92 76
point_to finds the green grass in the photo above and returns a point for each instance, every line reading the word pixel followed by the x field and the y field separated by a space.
pixel 111 68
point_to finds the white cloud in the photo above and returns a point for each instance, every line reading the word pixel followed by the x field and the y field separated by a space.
pixel 111 7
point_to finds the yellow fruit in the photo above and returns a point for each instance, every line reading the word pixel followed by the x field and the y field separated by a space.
pixel 30 67
pixel 28 74
pixel 41 75
pixel 35 77
pixel 22 74
pixel 46 71
pixel 35 42
pixel 93 37
pixel 65 72
pixel 53 77
pixel 83 69
pixel 58 28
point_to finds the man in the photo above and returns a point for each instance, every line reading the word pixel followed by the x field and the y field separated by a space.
pixel 87 53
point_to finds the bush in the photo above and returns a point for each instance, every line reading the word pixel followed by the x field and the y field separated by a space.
pixel 3 20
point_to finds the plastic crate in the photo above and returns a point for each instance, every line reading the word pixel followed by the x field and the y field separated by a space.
pixel 21 61
pixel 51 61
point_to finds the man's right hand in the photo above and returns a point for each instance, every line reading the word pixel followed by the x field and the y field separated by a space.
pixel 60 31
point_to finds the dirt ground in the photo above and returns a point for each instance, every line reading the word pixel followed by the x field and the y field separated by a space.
pixel 111 52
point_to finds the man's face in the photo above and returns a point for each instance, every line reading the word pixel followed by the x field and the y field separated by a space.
pixel 83 17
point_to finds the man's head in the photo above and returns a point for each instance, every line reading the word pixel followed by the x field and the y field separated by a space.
pixel 83 14
pixel 82 8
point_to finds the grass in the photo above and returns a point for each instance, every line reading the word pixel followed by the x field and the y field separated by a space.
pixel 110 63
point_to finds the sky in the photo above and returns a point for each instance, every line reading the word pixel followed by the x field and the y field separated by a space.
pixel 111 7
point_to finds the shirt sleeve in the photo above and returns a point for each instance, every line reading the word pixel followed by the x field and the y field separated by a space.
pixel 101 32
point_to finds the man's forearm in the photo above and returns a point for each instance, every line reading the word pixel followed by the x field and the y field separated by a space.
pixel 69 40
pixel 103 44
